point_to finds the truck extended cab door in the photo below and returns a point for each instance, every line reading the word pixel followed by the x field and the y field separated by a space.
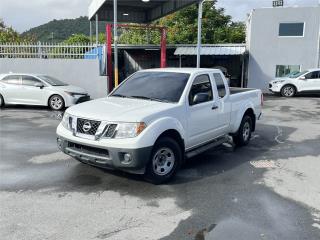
pixel 203 118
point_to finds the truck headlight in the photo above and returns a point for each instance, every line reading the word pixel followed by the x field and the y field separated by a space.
pixel 129 130
pixel 67 121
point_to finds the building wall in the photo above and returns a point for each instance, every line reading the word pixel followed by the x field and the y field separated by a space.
pixel 266 49
pixel 79 72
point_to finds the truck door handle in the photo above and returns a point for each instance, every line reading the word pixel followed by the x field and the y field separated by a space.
pixel 214 107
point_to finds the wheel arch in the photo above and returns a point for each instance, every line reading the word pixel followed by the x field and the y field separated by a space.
pixel 289 84
pixel 249 112
pixel 52 94
pixel 175 135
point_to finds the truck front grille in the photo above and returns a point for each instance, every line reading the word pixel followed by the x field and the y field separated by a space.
pixel 86 126
pixel 111 130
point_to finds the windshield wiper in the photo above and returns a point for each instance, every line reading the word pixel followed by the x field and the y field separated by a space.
pixel 150 98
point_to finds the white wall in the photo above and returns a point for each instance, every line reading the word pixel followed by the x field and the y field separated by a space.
pixel 266 49
pixel 80 72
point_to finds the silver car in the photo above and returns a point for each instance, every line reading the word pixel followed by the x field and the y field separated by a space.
pixel 41 90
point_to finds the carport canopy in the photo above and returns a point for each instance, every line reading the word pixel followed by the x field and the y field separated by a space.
pixel 219 49
pixel 136 11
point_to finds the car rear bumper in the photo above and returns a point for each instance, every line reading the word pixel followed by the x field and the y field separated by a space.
pixel 128 160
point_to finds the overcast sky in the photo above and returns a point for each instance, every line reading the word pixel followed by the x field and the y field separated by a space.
pixel 25 14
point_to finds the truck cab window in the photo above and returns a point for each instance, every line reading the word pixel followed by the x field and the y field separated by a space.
pixel 220 85
pixel 201 84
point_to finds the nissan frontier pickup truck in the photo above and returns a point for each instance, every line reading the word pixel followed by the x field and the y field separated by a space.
pixel 157 118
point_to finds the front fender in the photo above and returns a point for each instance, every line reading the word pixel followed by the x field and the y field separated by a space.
pixel 156 128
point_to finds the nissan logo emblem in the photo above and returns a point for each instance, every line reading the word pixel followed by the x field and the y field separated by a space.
pixel 86 127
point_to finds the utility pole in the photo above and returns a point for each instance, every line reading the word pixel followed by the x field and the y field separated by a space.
pixel 115 35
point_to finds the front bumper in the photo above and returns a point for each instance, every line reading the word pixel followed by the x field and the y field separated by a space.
pixel 73 100
pixel 107 157
pixel 275 88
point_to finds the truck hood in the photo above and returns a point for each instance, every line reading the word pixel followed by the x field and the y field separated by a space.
pixel 118 109
pixel 71 88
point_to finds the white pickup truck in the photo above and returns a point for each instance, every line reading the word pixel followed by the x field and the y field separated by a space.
pixel 157 118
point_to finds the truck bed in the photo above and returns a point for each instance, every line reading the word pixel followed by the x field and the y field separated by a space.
pixel 235 90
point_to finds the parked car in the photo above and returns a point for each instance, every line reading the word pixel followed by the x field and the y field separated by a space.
pixel 298 82
pixel 37 89
pixel 156 118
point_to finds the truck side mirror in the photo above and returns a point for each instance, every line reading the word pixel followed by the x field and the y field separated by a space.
pixel 200 98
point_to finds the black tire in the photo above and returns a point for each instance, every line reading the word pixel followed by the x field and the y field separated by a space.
pixel 243 136
pixel 163 148
pixel 288 91
pixel 1 102
pixel 56 102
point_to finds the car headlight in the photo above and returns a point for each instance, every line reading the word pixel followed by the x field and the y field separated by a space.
pixel 129 130
pixel 67 121
pixel 278 81
pixel 73 94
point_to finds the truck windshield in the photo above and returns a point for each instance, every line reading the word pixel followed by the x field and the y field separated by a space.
pixel 157 86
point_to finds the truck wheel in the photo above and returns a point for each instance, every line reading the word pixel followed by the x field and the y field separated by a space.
pixel 288 91
pixel 164 162
pixel 244 134
pixel 1 101
pixel 56 102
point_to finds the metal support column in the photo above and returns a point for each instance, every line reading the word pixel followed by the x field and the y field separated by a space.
pixel 115 36
pixel 180 61
pixel 97 29
pixel 109 56
pixel 242 71
pixel 90 32
pixel 199 33
pixel 163 63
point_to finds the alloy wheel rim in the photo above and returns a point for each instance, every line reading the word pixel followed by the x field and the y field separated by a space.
pixel 56 103
pixel 246 131
pixel 288 91
pixel 163 161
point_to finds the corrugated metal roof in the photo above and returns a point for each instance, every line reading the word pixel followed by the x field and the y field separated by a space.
pixel 232 49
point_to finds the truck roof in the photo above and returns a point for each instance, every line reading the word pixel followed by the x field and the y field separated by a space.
pixel 182 70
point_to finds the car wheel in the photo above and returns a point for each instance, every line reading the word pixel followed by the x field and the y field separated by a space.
pixel 164 162
pixel 244 134
pixel 1 101
pixel 56 102
pixel 288 91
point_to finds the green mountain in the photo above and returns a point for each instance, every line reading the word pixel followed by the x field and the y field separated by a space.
pixel 60 30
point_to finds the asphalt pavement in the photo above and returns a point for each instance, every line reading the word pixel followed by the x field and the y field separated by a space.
pixel 267 190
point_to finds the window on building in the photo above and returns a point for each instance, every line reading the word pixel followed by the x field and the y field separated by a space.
pixel 291 29
pixel 286 70
pixel 220 84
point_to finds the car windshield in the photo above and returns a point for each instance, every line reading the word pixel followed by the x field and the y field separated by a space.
pixel 52 81
pixel 296 74
pixel 156 86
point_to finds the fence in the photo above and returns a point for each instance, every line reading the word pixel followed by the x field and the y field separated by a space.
pixel 52 51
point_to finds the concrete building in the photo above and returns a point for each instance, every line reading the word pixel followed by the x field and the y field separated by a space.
pixel 281 41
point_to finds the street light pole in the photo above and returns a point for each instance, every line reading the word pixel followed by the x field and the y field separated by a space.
pixel 115 28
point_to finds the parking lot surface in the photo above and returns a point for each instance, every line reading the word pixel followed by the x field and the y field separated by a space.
pixel 267 190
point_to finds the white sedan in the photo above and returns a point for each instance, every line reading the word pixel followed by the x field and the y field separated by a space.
pixel 41 90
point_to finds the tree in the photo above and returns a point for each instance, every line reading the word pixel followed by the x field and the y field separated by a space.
pixel 77 39
pixel 183 25
pixel 7 34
